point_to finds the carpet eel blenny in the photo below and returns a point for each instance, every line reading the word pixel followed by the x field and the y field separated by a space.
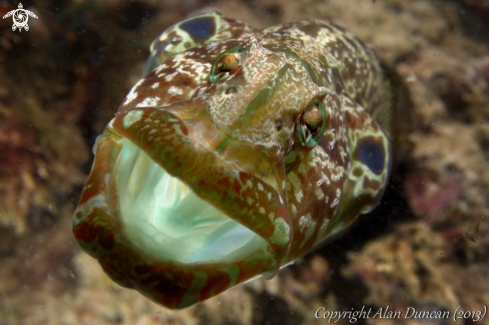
pixel 237 152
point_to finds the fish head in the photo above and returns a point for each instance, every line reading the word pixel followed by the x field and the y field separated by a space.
pixel 224 163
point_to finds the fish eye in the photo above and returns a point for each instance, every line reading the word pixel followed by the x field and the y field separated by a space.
pixel 312 123
pixel 227 63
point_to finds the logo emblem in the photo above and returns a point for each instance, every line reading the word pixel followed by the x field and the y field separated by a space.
pixel 20 16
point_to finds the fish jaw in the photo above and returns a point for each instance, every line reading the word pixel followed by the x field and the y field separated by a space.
pixel 133 249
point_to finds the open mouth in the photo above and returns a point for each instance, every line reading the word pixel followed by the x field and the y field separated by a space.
pixel 172 221
pixel 165 218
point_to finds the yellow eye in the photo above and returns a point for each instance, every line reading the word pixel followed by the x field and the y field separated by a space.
pixel 227 63
pixel 312 123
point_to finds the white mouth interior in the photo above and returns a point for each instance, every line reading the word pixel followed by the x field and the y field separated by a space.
pixel 165 218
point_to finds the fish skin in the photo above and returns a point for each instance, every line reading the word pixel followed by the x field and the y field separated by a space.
pixel 236 143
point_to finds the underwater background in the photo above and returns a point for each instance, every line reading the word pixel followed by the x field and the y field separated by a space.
pixel 425 247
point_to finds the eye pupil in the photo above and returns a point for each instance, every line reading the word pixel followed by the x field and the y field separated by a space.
pixel 313 118
pixel 229 63
pixel 312 123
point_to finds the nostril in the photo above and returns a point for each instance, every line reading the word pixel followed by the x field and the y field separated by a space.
pixel 279 124
pixel 231 90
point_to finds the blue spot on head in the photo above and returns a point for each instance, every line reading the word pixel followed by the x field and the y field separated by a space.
pixel 372 154
pixel 200 29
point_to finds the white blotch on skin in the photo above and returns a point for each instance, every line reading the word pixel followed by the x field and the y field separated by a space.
pixel 98 201
pixel 281 232
pixel 111 123
pixel 335 203
pixel 149 102
pixel 260 186
pixel 319 193
pixel 293 208
pixel 131 118
pixel 170 76
pixel 175 91
pixel 298 195
pixel 133 93
pixel 306 226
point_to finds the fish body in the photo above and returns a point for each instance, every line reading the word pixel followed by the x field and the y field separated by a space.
pixel 236 153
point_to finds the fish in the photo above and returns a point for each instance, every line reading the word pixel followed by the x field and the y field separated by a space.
pixel 237 152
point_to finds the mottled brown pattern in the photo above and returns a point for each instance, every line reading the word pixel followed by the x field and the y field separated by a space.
pixel 238 141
